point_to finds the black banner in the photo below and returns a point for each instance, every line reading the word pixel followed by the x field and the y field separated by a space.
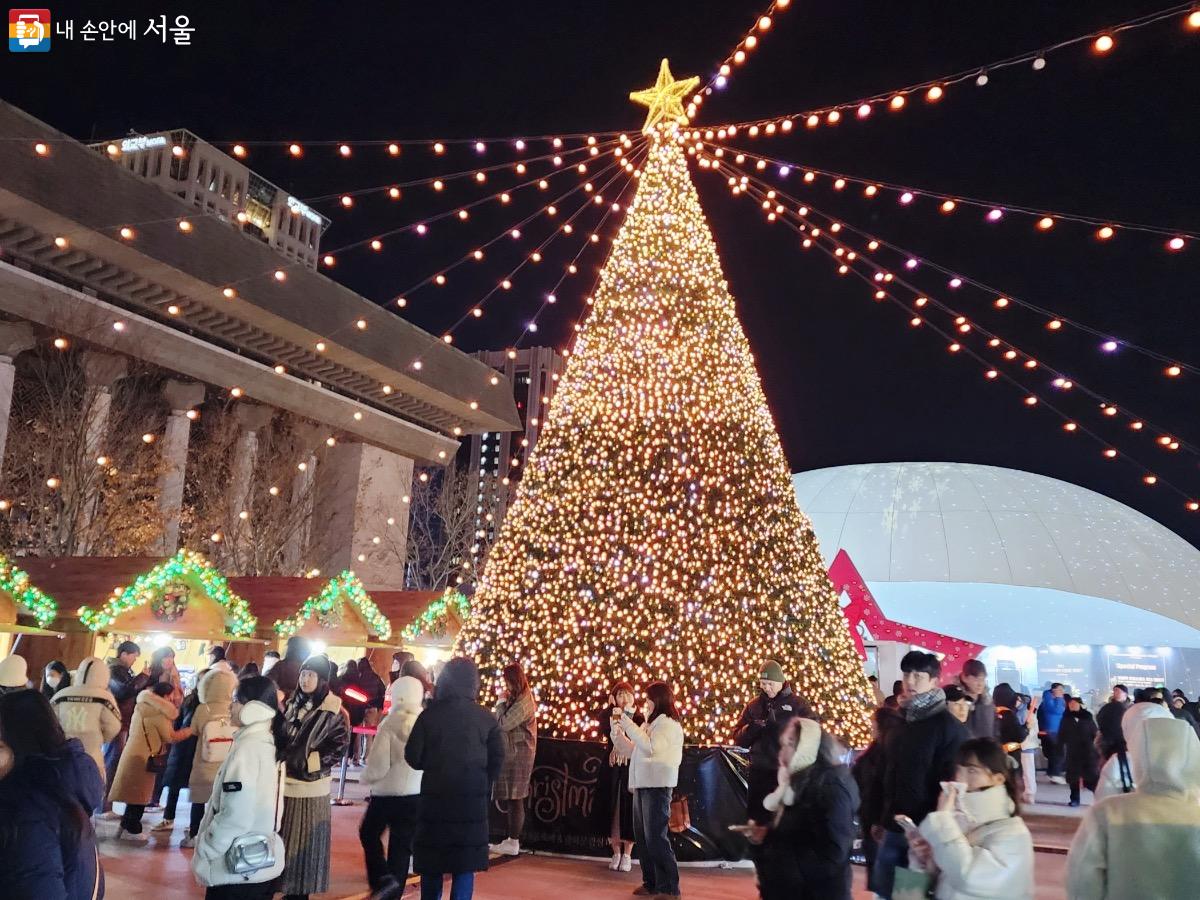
pixel 569 808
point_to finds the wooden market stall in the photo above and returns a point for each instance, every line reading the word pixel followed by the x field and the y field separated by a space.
pixel 338 617
pixel 25 612
pixel 427 621
pixel 181 601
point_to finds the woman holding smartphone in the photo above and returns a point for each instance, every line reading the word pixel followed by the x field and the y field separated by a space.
pixel 655 750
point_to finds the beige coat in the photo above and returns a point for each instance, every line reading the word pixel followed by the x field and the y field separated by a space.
pixel 216 695
pixel 87 710
pixel 151 728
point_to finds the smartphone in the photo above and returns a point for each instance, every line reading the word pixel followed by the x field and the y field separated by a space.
pixel 909 826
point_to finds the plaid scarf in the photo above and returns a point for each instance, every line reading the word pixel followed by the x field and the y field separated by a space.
pixel 921 706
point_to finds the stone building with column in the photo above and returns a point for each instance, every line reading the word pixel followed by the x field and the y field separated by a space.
pixel 93 254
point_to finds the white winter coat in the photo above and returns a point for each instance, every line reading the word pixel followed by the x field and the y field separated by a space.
pixel 1110 776
pixel 216 696
pixel 1144 844
pixel 247 798
pixel 656 750
pixel 387 773
pixel 88 711
pixel 992 859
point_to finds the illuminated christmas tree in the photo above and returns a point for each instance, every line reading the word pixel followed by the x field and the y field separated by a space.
pixel 655 533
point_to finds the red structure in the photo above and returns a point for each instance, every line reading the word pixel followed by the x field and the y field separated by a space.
pixel 864 611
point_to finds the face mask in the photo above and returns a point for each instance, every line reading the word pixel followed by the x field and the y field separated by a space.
pixel 395 665
pixel 53 680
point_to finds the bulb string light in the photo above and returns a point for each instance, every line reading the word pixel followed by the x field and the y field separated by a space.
pixel 519 142
pixel 546 302
pixel 934 89
pixel 565 229
pixel 654 532
pixel 186 564
pixel 960 346
pixel 994 210
pixel 509 232
pixel 28 598
pixel 764 193
pixel 738 55
pixel 343 589
pixel 472 174
pixel 912 259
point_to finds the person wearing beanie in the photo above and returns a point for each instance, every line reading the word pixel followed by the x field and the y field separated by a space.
pixel 14 674
pixel 395 790
pixel 317 733
pixel 806 847
pixel 286 672
pixel 757 730
pixel 88 711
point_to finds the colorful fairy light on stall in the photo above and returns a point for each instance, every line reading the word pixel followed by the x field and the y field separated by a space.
pixel 345 588
pixel 15 582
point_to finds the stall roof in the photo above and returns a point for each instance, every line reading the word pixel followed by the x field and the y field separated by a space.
pixel 76 581
pixel 280 599
pixel 402 607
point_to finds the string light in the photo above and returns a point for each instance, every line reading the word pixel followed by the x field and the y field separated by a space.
pixel 604 564
pixel 15 582
pixel 344 589
pixel 1101 43
pixel 186 565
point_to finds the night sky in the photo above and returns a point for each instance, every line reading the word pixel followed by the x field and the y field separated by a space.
pixel 847 379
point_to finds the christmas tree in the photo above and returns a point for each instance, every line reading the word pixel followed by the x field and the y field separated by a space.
pixel 655 533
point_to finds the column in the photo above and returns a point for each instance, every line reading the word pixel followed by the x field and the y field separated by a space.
pixel 358 489
pixel 251 419
pixel 101 371
pixel 308 437
pixel 15 337
pixel 181 396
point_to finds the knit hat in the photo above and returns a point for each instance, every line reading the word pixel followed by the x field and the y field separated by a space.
pixel 772 671
pixel 320 664
pixel 14 672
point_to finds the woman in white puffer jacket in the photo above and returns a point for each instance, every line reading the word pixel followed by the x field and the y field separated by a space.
pixel 395 789
pixel 247 798
pixel 88 711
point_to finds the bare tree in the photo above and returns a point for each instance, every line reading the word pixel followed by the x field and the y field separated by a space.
pixel 263 532
pixel 78 478
pixel 443 541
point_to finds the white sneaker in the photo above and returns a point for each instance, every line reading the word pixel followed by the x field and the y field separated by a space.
pixel 616 862
pixel 187 843
pixel 164 825
pixel 626 863
pixel 140 839
pixel 1058 779
pixel 507 847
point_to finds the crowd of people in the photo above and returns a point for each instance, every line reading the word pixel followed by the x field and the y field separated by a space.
pixel 934 801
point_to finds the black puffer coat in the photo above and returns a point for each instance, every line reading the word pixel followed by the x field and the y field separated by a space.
pixel 179 760
pixel 457 745
pixel 760 723
pixel 807 854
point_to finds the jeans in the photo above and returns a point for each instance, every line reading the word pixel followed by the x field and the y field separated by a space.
pixel 462 886
pixel 651 815
pixel 398 817
pixel 112 756
pixel 892 852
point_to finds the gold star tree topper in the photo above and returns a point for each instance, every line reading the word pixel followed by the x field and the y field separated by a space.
pixel 665 99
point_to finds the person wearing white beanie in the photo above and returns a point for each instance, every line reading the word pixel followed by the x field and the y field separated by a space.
pixel 14 674
pixel 806 853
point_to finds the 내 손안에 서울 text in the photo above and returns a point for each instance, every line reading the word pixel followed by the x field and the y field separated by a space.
pixel 31 30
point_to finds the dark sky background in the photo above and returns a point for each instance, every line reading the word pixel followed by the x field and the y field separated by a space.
pixel 848 381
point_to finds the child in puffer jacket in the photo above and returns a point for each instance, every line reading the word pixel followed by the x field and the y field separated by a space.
pixel 395 790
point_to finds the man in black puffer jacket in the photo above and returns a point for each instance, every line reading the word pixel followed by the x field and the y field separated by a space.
pixel 457 745
pixel 758 730
pixel 918 756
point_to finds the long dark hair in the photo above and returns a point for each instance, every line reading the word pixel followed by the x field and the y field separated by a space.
pixel 263 690
pixel 659 693
pixel 64 676
pixel 992 757
pixel 32 732
pixel 156 662
pixel 515 680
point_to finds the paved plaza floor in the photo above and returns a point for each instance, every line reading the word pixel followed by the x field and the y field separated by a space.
pixel 160 870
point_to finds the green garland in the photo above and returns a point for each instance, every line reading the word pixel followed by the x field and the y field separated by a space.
pixel 186 563
pixel 344 588
pixel 435 617
pixel 15 581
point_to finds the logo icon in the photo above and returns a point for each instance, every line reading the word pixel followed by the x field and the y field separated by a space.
pixel 29 30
